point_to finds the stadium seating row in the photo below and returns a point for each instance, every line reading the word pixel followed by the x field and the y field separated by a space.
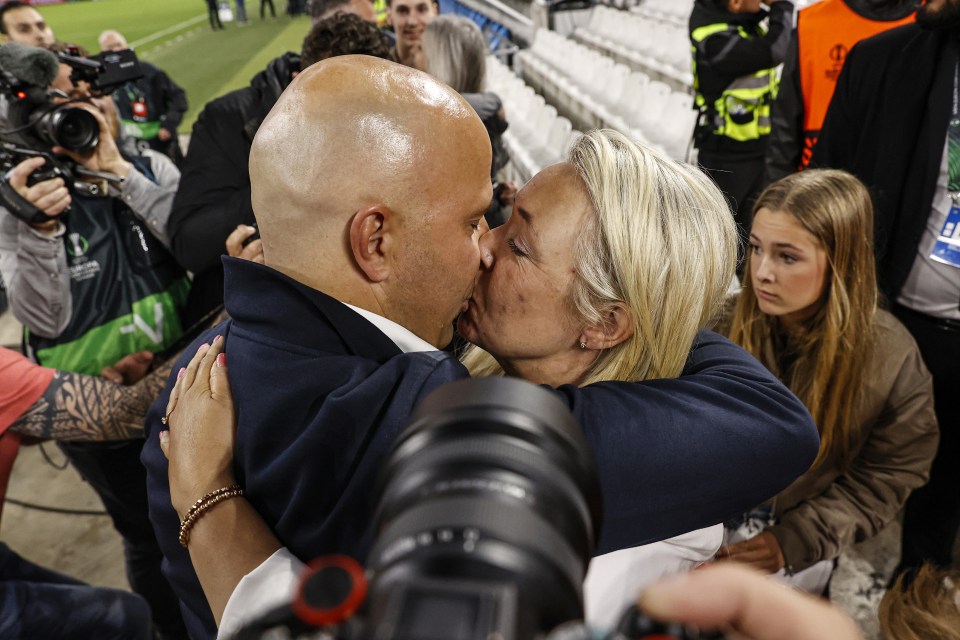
pixel 594 91
pixel 653 45
pixel 675 11
pixel 537 137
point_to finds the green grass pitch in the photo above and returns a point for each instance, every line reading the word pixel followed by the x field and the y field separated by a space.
pixel 175 36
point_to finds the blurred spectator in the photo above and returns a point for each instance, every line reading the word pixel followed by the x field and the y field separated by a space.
pixel 241 12
pixel 150 108
pixel 894 122
pixel 735 80
pixel 19 22
pixel 825 33
pixel 263 7
pixel 808 311
pixel 93 287
pixel 214 195
pixel 42 403
pixel 213 12
pixel 456 53
pixel 409 19
pixel 928 607
pixel 323 9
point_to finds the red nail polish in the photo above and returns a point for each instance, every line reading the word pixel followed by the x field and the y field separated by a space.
pixel 222 360
pixel 180 373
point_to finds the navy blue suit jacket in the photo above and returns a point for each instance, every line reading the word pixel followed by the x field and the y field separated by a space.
pixel 321 393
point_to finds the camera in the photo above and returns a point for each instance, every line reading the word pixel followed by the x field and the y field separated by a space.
pixel 488 509
pixel 34 121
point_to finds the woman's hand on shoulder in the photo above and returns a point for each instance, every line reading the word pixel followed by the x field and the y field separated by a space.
pixel 201 423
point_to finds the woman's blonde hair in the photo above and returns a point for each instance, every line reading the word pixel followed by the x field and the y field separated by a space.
pixel 456 53
pixel 928 608
pixel 824 363
pixel 661 243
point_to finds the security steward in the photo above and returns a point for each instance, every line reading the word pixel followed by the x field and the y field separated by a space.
pixel 825 33
pixel 734 68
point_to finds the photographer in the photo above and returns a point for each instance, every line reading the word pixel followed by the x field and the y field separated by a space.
pixel 91 286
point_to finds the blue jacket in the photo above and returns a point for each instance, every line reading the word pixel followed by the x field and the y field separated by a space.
pixel 321 393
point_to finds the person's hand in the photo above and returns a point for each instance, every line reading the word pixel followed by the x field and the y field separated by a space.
pixel 201 425
pixel 508 193
pixel 744 604
pixel 129 369
pixel 235 248
pixel 762 552
pixel 50 196
pixel 105 156
pixel 164 135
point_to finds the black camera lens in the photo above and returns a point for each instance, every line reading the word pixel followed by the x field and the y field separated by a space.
pixel 69 127
pixel 492 483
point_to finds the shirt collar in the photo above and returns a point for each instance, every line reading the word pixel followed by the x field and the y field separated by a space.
pixel 406 341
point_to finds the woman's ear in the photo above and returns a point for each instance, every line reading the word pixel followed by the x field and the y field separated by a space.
pixel 616 327
pixel 369 242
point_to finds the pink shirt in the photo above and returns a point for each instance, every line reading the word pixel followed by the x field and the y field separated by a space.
pixel 21 384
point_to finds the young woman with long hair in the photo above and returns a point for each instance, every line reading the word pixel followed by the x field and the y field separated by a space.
pixel 809 312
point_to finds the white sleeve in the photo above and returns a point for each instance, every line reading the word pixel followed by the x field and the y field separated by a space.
pixel 268 586
pixel 614 580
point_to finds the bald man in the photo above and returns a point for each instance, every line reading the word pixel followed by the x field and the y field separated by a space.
pixel 369 181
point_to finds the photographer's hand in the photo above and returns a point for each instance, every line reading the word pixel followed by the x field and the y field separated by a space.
pixel 735 599
pixel 50 196
pixel 105 156
pixel 252 252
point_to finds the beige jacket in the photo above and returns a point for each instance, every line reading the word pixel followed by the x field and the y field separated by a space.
pixel 826 510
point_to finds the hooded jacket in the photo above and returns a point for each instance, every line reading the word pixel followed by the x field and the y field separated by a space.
pixel 214 194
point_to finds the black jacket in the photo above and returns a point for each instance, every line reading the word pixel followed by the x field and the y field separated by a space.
pixel 787 137
pixel 887 125
pixel 214 194
pixel 725 56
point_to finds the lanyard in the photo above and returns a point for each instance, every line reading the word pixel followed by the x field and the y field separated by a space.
pixel 953 137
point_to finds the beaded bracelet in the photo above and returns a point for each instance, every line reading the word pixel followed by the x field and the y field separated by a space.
pixel 202 505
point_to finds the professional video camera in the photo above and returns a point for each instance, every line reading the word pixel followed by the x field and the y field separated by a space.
pixel 36 118
pixel 487 513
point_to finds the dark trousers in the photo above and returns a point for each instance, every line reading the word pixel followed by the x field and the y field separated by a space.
pixel 214 14
pixel 932 514
pixel 263 7
pixel 40 603
pixel 114 471
pixel 740 180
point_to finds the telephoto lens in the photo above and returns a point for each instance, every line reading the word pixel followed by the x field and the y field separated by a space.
pixel 72 128
pixel 488 513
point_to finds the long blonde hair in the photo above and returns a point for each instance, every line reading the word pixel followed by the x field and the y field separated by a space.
pixel 928 608
pixel 661 243
pixel 831 350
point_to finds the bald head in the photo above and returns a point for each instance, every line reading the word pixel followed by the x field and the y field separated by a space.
pixel 111 40
pixel 356 134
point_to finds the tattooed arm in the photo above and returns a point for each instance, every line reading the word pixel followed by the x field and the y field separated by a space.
pixel 82 407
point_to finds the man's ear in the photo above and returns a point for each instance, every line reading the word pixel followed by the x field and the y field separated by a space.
pixel 369 242
pixel 616 327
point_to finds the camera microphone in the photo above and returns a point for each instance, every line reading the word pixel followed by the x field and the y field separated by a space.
pixel 30 65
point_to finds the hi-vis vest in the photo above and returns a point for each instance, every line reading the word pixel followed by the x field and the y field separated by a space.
pixel 826 32
pixel 742 111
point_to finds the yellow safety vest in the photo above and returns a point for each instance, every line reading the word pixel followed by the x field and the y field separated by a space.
pixel 742 112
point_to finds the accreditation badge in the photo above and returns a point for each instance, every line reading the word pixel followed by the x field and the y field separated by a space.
pixel 947 248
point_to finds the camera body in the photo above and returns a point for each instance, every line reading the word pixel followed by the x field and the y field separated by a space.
pixel 36 118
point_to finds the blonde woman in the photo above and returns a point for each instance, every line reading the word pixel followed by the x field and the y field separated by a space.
pixel 808 311
pixel 609 267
